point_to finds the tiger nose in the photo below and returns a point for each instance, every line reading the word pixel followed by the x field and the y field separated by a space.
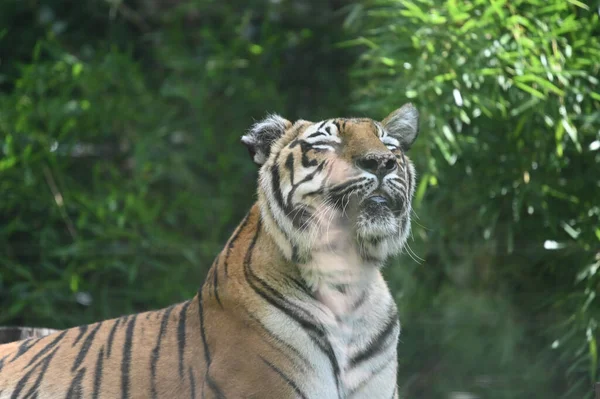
pixel 378 164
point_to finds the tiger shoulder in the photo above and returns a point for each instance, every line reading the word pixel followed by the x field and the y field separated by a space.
pixel 294 306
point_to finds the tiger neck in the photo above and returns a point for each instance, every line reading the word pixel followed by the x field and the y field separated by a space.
pixel 339 277
pixel 333 271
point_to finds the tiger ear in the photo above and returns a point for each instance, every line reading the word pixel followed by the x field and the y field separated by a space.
pixel 262 135
pixel 403 124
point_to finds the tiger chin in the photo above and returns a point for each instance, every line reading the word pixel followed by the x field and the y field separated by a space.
pixel 294 306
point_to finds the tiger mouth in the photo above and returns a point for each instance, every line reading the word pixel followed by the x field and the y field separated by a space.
pixel 358 199
pixel 380 199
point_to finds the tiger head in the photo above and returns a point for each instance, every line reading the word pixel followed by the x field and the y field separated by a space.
pixel 337 184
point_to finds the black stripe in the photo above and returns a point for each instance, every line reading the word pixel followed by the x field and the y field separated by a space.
pixel 2 362
pixel 202 329
pixel 126 361
pixel 301 285
pixel 275 181
pixel 98 374
pixel 350 181
pixel 34 389
pixel 111 337
pixel 275 298
pixel 397 185
pixel 360 300
pixel 23 381
pixel 212 384
pixel 296 254
pixel 47 348
pixel 348 184
pixel 319 190
pixel 301 214
pixel 82 330
pixel 270 294
pixel 156 351
pixel 317 134
pixel 288 207
pixel 305 148
pixel 207 378
pixel 192 383
pixel 24 347
pixel 85 347
pixel 339 196
pixel 76 390
pixel 181 335
pixel 371 376
pixel 289 164
pixel 287 379
pixel 215 270
pixel 276 186
pixel 337 125
pixel 273 337
pixel 378 343
pixel 233 240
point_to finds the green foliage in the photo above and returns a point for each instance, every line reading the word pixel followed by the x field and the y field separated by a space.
pixel 504 304
pixel 121 174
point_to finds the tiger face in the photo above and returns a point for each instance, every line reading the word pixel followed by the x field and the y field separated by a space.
pixel 336 185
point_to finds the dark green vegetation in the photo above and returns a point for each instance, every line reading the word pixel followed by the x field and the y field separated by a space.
pixel 121 172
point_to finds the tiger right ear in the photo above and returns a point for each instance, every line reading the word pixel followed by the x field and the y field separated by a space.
pixel 262 135
pixel 403 124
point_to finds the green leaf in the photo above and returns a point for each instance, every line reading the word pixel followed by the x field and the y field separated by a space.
pixel 579 4
pixel 7 163
pixel 74 283
pixel 387 61
pixel 421 190
pixel 540 81
pixel 572 132
pixel 255 49
pixel 77 68
pixel 530 90
pixel 360 41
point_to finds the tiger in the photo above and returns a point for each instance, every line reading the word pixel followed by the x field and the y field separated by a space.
pixel 295 304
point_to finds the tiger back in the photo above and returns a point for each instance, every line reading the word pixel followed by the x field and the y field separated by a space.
pixel 294 306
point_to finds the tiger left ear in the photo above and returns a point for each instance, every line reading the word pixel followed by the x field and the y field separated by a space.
pixel 403 124
pixel 262 135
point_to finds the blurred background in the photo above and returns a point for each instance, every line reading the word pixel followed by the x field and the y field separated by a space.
pixel 122 176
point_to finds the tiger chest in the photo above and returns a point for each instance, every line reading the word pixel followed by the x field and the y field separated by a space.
pixel 364 344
